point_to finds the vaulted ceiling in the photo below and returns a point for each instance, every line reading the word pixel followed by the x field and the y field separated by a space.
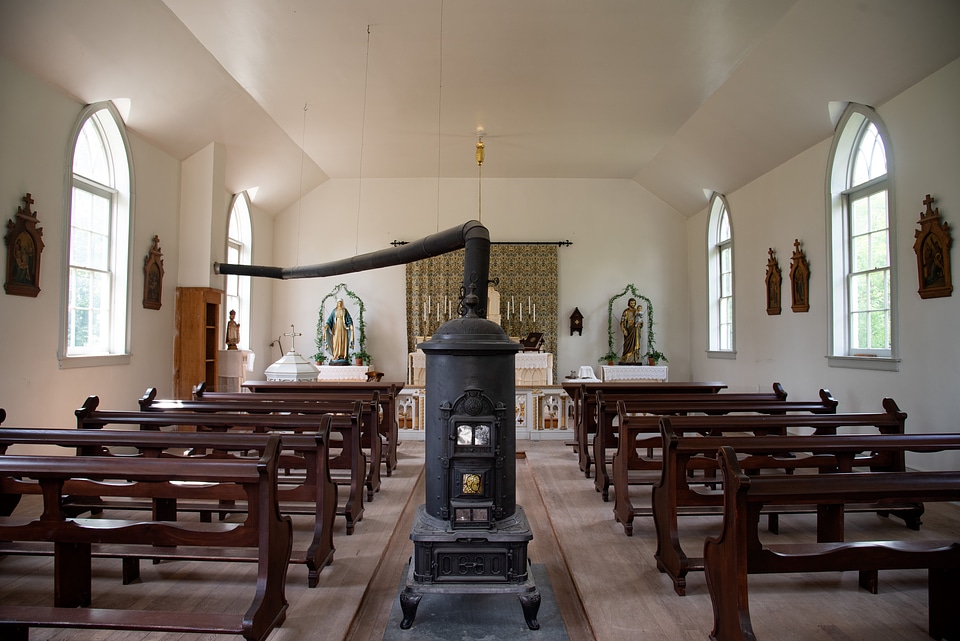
pixel 680 96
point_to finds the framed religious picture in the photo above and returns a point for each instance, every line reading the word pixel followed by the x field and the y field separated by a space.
pixel 153 276
pixel 932 246
pixel 799 279
pixel 773 284
pixel 24 246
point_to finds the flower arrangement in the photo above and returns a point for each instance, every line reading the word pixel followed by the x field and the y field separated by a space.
pixel 361 325
pixel 656 356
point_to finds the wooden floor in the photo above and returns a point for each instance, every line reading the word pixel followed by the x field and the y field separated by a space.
pixel 606 584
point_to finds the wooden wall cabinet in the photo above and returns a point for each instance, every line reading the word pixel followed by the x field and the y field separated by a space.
pixel 197 340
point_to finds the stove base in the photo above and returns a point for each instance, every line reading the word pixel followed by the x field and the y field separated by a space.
pixel 447 560
pixel 526 591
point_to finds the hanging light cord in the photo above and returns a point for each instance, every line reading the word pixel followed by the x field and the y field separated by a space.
pixel 303 153
pixel 363 127
pixel 480 157
pixel 439 113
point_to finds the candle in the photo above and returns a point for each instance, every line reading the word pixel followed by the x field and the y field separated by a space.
pixel 521 312
pixel 438 312
pixel 534 312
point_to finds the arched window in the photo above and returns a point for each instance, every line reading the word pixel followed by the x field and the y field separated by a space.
pixel 720 280
pixel 95 323
pixel 862 287
pixel 239 253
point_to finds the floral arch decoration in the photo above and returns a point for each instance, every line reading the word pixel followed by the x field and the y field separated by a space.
pixel 651 350
pixel 361 352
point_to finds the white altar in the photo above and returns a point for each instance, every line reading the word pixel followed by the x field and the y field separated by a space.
pixel 531 369
pixel 342 373
pixel 634 373
pixel 540 413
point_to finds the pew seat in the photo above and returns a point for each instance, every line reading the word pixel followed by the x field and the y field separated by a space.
pixel 737 551
pixel 73 539
pixel 313 494
pixel 348 466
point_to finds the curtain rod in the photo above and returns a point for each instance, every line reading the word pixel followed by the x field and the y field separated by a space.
pixel 559 243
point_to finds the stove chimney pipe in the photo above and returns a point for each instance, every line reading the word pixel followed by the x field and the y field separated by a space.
pixel 471 235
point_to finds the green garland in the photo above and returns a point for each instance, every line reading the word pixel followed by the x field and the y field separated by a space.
pixel 361 353
pixel 612 355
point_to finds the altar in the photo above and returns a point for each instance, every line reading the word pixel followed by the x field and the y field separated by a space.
pixel 531 369
pixel 342 373
pixel 634 373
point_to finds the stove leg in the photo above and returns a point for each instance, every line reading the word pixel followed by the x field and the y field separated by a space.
pixel 531 605
pixel 408 605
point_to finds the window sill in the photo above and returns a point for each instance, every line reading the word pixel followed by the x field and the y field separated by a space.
pixel 726 354
pixel 100 360
pixel 875 363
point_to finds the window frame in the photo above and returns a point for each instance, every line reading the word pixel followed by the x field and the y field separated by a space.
pixel 719 208
pixel 244 251
pixel 121 235
pixel 846 141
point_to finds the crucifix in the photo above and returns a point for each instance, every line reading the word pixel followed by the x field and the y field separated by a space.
pixel 293 337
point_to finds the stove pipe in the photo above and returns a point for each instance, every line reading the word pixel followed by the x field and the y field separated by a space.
pixel 472 235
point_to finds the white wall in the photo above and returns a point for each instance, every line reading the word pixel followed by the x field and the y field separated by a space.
pixel 788 203
pixel 620 233
pixel 35 124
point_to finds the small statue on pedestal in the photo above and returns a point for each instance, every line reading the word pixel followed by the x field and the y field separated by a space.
pixel 233 331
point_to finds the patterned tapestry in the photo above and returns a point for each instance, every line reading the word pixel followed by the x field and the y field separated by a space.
pixel 527 286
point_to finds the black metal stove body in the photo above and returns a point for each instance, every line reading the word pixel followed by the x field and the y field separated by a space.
pixel 469 536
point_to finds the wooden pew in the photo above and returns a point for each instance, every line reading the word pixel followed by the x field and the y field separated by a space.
pixel 348 467
pixel 605 442
pixel 635 463
pixel 582 395
pixel 680 494
pixel 314 494
pixel 74 539
pixel 608 409
pixel 738 552
pixel 382 399
pixel 368 414
pixel 389 391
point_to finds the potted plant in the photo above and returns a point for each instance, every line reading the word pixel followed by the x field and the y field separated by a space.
pixel 654 356
pixel 609 358
pixel 319 357
pixel 361 357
